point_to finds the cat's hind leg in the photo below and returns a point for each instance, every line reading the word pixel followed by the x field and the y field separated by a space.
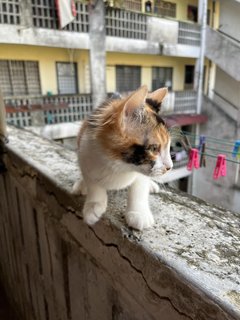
pixel 95 205
pixel 138 214
pixel 79 187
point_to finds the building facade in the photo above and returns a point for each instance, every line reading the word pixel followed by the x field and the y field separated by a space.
pixel 222 105
pixel 45 71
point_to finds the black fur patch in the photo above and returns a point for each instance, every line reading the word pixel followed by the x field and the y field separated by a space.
pixel 160 119
pixel 135 155
pixel 154 104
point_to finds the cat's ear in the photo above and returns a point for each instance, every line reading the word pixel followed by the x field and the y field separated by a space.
pixel 135 102
pixel 155 98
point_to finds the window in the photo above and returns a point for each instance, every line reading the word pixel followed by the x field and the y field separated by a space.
pixel 128 78
pixel 165 8
pixel 192 13
pixel 67 77
pixel 19 77
pixel 189 77
pixel 161 77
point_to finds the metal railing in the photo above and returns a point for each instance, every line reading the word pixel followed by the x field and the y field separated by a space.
pixel 55 109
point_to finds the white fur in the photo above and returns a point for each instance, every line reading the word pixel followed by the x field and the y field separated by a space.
pixel 101 173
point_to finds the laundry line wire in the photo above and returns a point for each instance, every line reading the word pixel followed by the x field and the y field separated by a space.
pixel 216 156
pixel 210 139
pixel 217 150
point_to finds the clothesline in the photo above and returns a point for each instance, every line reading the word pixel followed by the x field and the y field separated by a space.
pixel 215 156
pixel 210 139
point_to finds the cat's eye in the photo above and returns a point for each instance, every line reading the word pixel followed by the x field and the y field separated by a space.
pixel 154 148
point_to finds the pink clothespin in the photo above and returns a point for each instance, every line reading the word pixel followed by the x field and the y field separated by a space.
pixel 221 167
pixel 193 159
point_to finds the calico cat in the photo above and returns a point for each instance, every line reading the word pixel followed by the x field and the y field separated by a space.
pixel 123 144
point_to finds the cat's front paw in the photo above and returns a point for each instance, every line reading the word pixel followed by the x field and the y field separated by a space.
pixel 154 187
pixel 139 220
pixel 93 211
pixel 79 187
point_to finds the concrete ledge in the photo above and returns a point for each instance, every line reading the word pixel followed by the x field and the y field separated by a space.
pixel 11 34
pixel 186 267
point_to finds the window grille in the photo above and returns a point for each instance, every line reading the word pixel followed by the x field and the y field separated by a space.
pixel 67 77
pixel 9 12
pixel 162 77
pixel 128 78
pixel 165 8
pixel 19 77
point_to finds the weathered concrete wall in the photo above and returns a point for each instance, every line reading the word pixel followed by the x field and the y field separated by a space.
pixel 56 267
pixel 74 40
pixel 227 87
pixel 221 192
pixel 229 18
pixel 224 52
pixel 162 30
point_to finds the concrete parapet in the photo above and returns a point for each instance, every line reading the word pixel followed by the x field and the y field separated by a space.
pixel 54 266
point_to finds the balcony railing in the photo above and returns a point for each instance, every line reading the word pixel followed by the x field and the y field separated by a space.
pixel 180 102
pixel 119 22
pixel 185 101
pixel 10 12
pixel 126 24
pixel 68 108
pixel 44 15
pixel 189 33
pixel 56 109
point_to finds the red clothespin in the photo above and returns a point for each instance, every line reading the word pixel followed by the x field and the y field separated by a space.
pixel 193 159
pixel 221 167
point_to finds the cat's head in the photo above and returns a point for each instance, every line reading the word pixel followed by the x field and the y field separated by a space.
pixel 139 136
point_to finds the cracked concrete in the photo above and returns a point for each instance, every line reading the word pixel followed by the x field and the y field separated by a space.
pixel 185 267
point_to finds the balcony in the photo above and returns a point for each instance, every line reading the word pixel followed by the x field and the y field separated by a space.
pixel 59 108
pixel 21 111
pixel 180 102
pixel 54 266
pixel 224 51
pixel 38 25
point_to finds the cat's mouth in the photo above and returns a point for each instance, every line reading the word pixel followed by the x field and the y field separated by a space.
pixel 158 172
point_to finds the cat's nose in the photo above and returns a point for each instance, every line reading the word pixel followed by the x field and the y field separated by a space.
pixel 168 166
